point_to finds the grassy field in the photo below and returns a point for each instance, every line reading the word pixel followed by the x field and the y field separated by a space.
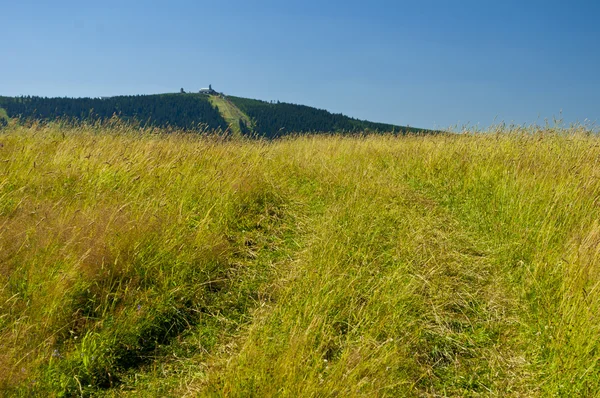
pixel 134 263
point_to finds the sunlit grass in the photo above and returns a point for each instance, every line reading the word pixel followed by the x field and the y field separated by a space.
pixel 3 117
pixel 135 262
pixel 232 114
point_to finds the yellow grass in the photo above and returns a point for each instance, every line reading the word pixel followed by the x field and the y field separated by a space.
pixel 144 264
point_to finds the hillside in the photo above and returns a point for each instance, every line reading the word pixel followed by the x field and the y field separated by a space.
pixel 3 117
pixel 189 112
pixel 276 119
pixel 136 264
pixel 238 121
pixel 196 112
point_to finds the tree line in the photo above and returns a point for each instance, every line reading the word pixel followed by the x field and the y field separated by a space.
pixel 277 119
pixel 192 112
pixel 188 112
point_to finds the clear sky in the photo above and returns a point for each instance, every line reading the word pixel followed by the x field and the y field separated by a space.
pixel 419 63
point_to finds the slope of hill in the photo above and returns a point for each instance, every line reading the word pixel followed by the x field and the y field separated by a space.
pixel 189 111
pixel 183 265
pixel 196 112
pixel 3 117
pixel 239 123
pixel 276 119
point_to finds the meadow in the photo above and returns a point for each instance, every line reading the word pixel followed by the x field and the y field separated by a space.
pixel 139 263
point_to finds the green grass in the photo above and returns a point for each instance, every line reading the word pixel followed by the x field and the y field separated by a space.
pixel 231 113
pixel 3 114
pixel 141 264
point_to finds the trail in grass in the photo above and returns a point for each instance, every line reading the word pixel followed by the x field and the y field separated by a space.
pixel 395 300
pixel 315 266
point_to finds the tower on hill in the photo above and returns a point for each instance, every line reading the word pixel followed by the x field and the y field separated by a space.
pixel 208 91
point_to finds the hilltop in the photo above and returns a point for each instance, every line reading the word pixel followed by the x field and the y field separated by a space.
pixel 206 109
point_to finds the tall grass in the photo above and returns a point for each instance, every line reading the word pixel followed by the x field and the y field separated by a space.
pixel 136 262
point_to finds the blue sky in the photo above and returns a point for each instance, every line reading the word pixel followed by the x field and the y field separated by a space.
pixel 420 63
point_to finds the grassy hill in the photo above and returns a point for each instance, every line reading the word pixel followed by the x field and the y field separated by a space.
pixel 177 111
pixel 277 119
pixel 195 112
pixel 135 264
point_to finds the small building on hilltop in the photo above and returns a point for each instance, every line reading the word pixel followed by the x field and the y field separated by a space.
pixel 208 91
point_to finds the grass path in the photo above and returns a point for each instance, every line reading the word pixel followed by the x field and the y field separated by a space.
pixel 396 300
pixel 231 113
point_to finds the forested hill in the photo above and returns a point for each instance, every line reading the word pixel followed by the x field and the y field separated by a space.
pixel 276 119
pixel 189 111
pixel 184 111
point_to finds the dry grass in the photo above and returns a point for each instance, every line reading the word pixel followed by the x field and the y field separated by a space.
pixel 138 263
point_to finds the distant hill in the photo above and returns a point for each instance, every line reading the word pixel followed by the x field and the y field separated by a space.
pixel 276 119
pixel 193 111
pixel 184 111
